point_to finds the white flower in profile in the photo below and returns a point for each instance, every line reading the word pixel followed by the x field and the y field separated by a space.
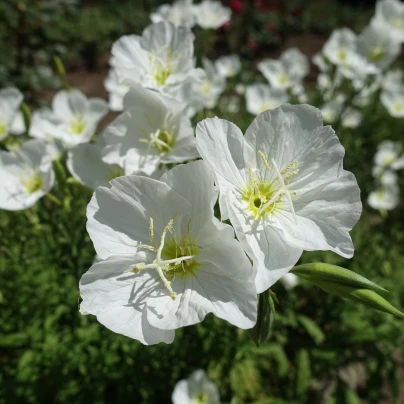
pixel 390 14
pixel 26 175
pixel 385 198
pixel 290 281
pixel 392 80
pixel 228 66
pixel 196 389
pixel 153 130
pixel 210 89
pixel 10 101
pixel 282 186
pixel 211 14
pixel 180 12
pixel 389 155
pixel 116 90
pixel 261 97
pixel 287 71
pixel 168 261
pixel 340 48
pixel 351 118
pixel 331 111
pixel 72 120
pixel 160 59
pixel 377 48
pixel 393 101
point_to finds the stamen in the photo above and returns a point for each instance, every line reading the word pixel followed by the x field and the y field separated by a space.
pixel 288 167
pixel 151 230
pixel 264 160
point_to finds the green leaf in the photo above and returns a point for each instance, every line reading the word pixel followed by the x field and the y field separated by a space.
pixel 303 372
pixel 312 329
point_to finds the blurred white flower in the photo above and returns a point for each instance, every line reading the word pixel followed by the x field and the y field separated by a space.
pixel 153 130
pixel 168 261
pixel 240 89
pixel 392 80
pixel 319 61
pixel 282 186
pixel 10 101
pixel 231 103
pixel 261 97
pixel 290 281
pixel 17 126
pixel 116 90
pixel 228 66
pixel 181 12
pixel 385 176
pixel 160 59
pixel 331 111
pixel 390 14
pixel 26 175
pixel 389 155
pixel 351 118
pixel 211 14
pixel 197 389
pixel 386 197
pixel 377 48
pixel 340 48
pixel 288 71
pixel 73 119
pixel 394 101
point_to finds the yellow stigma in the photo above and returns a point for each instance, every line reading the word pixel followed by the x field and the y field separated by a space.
pixel 33 183
pixel 163 140
pixel 200 398
pixel 398 108
pixel 77 125
pixel 376 54
pixel 283 78
pixel 342 54
pixel 3 129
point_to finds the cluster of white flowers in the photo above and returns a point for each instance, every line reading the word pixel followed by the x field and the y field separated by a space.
pixel 388 160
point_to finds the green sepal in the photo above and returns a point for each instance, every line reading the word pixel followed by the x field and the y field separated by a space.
pixel 26 113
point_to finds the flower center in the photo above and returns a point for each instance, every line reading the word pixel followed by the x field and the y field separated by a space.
pixel 32 183
pixel 342 54
pixel 397 22
pixel 206 87
pixel 376 53
pixel 200 398
pixel 160 69
pixel 266 105
pixel 283 78
pixel 3 129
pixel 77 125
pixel 398 108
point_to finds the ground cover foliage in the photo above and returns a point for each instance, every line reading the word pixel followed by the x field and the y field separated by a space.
pixel 321 349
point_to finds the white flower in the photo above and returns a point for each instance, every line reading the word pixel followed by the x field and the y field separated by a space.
pixel 290 281
pixel 390 14
pixel 319 61
pixel 389 155
pixel 228 66
pixel 153 130
pixel 240 89
pixel 116 90
pixel 385 175
pixel 231 103
pixel 386 197
pixel 10 101
pixel 26 175
pixel 286 72
pixel 261 97
pixel 197 389
pixel 394 101
pixel 210 88
pixel 377 48
pixel 392 80
pixel 180 12
pixel 351 118
pixel 72 120
pixel 17 127
pixel 211 14
pixel 340 48
pixel 167 260
pixel 331 111
pixel 160 59
pixel 282 186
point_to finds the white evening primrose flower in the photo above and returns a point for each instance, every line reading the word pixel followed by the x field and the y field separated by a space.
pixel 282 186
pixel 389 155
pixel 340 48
pixel 160 59
pixel 26 175
pixel 331 111
pixel 390 14
pixel 393 101
pixel 197 389
pixel 10 101
pixel 260 97
pixel 116 90
pixel 392 80
pixel 210 89
pixel 385 198
pixel 290 281
pixel 211 14
pixel 228 66
pixel 384 175
pixel 72 120
pixel 180 12
pixel 230 103
pixel 240 89
pixel 319 60
pixel 377 48
pixel 168 261
pixel 288 71
pixel 153 130
pixel 351 118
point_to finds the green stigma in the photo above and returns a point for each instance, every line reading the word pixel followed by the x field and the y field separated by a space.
pixel 164 142
pixel 174 248
pixel 257 195
pixel 376 54
pixel 77 125
pixel 283 78
pixel 160 75
pixel 33 183
pixel 3 129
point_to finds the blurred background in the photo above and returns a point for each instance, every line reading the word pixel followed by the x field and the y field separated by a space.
pixel 322 349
